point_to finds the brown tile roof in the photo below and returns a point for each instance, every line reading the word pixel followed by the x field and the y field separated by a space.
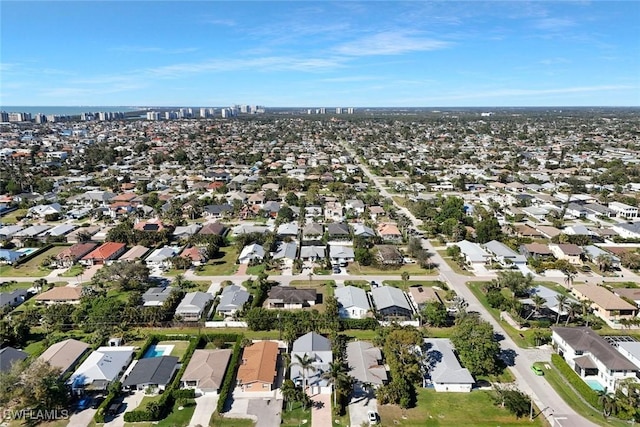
pixel 76 251
pixel 60 293
pixel 64 354
pixel 208 368
pixel 259 363
pixel 603 297
pixel 105 251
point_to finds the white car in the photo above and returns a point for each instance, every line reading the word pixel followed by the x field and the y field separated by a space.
pixel 372 416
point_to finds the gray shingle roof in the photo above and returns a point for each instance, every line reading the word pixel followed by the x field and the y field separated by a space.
pixel 153 370
pixel 311 342
pixel 387 296
pixel 351 296
pixel 233 297
pixel 444 365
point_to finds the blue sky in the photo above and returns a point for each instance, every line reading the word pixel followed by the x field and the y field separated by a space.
pixel 320 53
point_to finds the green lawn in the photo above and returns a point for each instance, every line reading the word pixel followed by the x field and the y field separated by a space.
pixel 12 286
pixel 32 267
pixel 452 409
pixel 148 399
pixel 177 418
pixel 405 286
pixel 522 339
pixel 224 265
pixel 219 421
pixel 412 269
pixel 12 217
pixel 296 416
pixel 73 271
pixel 454 265
pixel 568 394
pixel 179 347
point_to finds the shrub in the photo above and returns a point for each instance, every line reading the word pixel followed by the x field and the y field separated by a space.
pixel 230 375
pixel 582 388
pixel 114 390
pixel 184 394
pixel 368 323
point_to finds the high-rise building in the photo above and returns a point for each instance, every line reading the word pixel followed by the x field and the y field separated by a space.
pixel 153 115
pixel 4 116
pixel 350 110
pixel 40 118
pixel 338 110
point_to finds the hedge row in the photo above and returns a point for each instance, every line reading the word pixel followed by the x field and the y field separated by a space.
pixel 98 417
pixel 368 323
pixel 230 376
pixel 586 392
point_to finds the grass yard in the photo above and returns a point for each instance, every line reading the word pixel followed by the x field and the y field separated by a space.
pixel 218 421
pixel 32 267
pixel 413 269
pixel 568 394
pixel 452 409
pixel 179 347
pixel 523 339
pixel 177 418
pixel 12 217
pixel 73 271
pixel 148 399
pixel 454 265
pixel 406 285
pixel 223 265
pixel 296 416
pixel 12 286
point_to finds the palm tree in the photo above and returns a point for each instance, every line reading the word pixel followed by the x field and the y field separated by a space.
pixel 305 362
pixel 609 403
pixel 337 376
pixel 562 302
pixel 289 392
pixel 538 303
pixel 605 262
pixel 405 278
pixel 573 308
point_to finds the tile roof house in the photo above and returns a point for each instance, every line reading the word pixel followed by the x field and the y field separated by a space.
pixel 567 251
pixel 318 348
pixel 338 231
pixel 365 361
pixel 100 369
pixel 136 253
pixel 290 298
pixel 389 232
pixel 312 233
pixel 152 372
pixel 205 371
pixel 391 302
pixel 352 301
pixel 64 354
pixel 74 253
pixel 607 305
pixel 104 253
pixel 444 369
pixel 60 295
pixel 591 356
pixel 421 295
pixel 9 356
pixel 389 255
pixel 195 254
pixel 213 228
pixel 258 370
pixel 193 305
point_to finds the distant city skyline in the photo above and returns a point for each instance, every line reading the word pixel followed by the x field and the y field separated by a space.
pixel 320 54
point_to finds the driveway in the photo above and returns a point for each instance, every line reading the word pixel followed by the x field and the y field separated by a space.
pixel 131 402
pixel 321 410
pixel 205 406
pixel 360 404
pixel 265 411
pixel 82 418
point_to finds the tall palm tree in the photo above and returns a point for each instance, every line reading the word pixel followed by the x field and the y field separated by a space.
pixel 289 392
pixel 337 376
pixel 562 302
pixel 609 403
pixel 573 308
pixel 538 303
pixel 305 362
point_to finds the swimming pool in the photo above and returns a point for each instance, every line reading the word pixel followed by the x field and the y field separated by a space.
pixel 27 251
pixel 595 385
pixel 157 351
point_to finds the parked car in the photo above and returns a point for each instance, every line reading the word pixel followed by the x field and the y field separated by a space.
pixel 537 370
pixel 372 416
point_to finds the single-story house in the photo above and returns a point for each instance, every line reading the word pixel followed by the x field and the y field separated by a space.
pixel 100 369
pixel 312 253
pixel 64 354
pixel 250 253
pixel 389 232
pixel 60 295
pixel 193 305
pixel 421 295
pixel 340 254
pixel 195 254
pixel 443 369
pixel 286 251
pixel 473 253
pixel 389 255
pixel 9 356
pixel 153 372
pixel 258 369
pixel 567 251
pixel 156 296
pixel 136 253
pixel 365 361
pixel 607 305
pixel 290 298
pixel 13 298
pixel 352 301
pixel 102 254
pixel 391 302
pixel 205 371
pixel 161 257
pixel 232 299
pixel 74 253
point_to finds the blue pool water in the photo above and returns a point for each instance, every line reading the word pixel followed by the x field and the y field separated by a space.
pixel 595 385
pixel 27 251
pixel 153 351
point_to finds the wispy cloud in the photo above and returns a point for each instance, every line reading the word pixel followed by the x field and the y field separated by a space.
pixel 349 79
pixel 554 24
pixel 270 63
pixel 555 61
pixel 151 49
pixel 390 43
pixel 222 22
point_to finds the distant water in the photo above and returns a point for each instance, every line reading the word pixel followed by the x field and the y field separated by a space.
pixel 68 111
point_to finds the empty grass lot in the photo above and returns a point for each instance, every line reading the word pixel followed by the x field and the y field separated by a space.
pixel 32 268
pixel 413 269
pixel 223 265
pixel 452 409
pixel 409 283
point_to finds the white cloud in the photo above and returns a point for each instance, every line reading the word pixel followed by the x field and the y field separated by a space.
pixel 554 24
pixel 390 43
pixel 151 49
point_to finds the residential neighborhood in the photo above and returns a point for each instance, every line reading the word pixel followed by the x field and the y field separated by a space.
pixel 286 269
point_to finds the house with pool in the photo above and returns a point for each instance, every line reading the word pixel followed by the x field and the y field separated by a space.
pixel 596 361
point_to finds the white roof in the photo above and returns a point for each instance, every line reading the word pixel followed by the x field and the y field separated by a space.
pixel 103 364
